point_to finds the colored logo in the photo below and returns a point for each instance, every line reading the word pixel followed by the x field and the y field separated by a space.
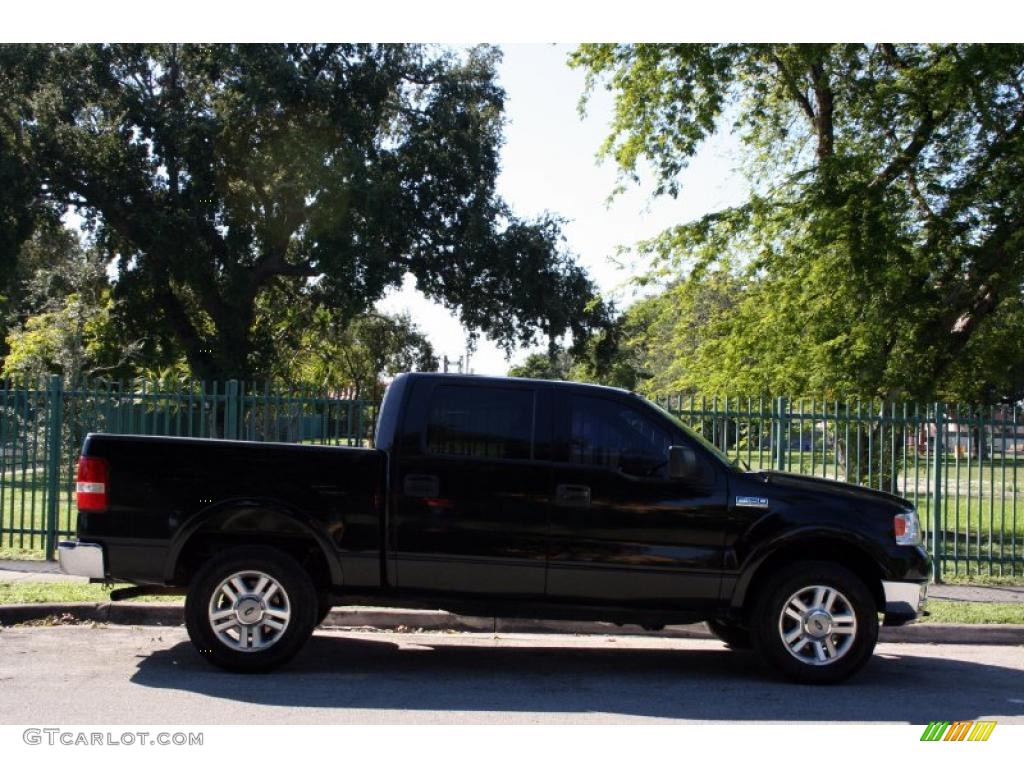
pixel 960 730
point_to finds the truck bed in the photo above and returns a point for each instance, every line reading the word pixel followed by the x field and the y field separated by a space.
pixel 163 490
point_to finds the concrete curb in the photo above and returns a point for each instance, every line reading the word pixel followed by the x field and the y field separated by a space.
pixel 115 613
pixel 385 619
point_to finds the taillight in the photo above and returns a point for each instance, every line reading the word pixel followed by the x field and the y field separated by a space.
pixel 907 529
pixel 91 485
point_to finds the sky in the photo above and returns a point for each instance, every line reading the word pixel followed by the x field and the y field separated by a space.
pixel 549 163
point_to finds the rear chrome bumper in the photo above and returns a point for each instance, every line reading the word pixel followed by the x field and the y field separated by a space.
pixel 904 600
pixel 78 559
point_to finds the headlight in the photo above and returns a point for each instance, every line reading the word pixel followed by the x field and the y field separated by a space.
pixel 907 528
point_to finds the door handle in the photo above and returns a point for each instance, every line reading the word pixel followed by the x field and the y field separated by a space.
pixel 421 486
pixel 567 495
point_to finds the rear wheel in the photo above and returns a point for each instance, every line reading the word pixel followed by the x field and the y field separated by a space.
pixel 815 622
pixel 733 635
pixel 250 609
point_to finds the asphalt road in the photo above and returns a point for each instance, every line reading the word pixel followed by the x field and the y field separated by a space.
pixel 151 675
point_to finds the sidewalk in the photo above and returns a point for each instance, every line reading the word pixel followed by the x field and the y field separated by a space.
pixel 35 571
pixel 980 593
pixel 43 571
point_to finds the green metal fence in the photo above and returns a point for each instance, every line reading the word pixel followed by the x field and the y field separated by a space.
pixel 42 428
pixel 958 464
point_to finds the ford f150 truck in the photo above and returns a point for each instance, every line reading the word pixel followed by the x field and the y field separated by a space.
pixel 506 497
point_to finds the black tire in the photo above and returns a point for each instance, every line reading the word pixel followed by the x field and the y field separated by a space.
pixel 293 598
pixel 324 605
pixel 733 635
pixel 825 645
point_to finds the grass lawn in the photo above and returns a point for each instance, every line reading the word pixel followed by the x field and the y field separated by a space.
pixel 979 579
pixel 21 553
pixel 62 592
pixel 23 512
pixel 952 612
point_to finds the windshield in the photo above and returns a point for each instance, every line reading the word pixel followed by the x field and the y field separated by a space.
pixel 689 432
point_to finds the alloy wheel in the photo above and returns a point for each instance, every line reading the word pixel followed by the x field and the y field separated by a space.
pixel 249 611
pixel 818 625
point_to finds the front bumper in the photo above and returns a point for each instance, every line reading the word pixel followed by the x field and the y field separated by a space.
pixel 79 559
pixel 904 601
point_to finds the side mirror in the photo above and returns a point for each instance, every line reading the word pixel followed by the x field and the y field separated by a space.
pixel 639 465
pixel 682 463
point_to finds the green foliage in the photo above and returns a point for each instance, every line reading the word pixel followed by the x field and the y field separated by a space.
pixel 881 250
pixel 20 207
pixel 213 174
pixel 48 246
pixel 962 612
pixel 67 323
pixel 325 350
pixel 554 365
pixel 21 592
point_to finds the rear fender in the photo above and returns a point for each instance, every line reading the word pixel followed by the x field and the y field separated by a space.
pixel 262 517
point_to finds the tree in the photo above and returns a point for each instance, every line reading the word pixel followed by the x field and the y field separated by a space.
pixel 382 345
pixel 320 348
pixel 213 173
pixel 884 230
pixel 19 207
pixel 665 337
pixel 49 246
pixel 555 364
pixel 67 323
pixel 356 355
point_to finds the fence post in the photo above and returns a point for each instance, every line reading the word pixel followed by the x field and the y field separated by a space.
pixel 231 410
pixel 56 398
pixel 939 459
pixel 782 433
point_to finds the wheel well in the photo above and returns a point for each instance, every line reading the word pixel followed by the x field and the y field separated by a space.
pixel 210 540
pixel 847 555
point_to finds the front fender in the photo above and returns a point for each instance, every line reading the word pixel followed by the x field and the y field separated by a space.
pixel 809 543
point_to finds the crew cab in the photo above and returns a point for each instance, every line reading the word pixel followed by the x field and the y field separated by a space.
pixel 499 497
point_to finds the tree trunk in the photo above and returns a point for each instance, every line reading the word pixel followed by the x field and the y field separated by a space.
pixel 979 448
pixel 872 454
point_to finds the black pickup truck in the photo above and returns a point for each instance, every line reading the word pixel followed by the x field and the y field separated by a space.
pixel 506 497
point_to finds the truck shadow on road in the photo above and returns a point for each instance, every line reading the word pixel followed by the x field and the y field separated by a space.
pixel 709 683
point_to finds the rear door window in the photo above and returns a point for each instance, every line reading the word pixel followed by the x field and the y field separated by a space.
pixel 480 422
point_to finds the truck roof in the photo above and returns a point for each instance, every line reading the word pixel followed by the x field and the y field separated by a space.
pixel 472 377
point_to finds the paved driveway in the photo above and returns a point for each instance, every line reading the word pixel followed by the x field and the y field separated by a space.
pixel 116 674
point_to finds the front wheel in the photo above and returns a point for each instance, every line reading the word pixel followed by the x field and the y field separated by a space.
pixel 815 622
pixel 250 609
pixel 733 635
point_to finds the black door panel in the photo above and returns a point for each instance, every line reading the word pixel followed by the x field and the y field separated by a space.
pixel 642 539
pixel 421 486
pixel 576 496
pixel 472 513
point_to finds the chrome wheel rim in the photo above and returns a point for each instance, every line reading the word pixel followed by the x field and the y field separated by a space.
pixel 818 625
pixel 249 611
